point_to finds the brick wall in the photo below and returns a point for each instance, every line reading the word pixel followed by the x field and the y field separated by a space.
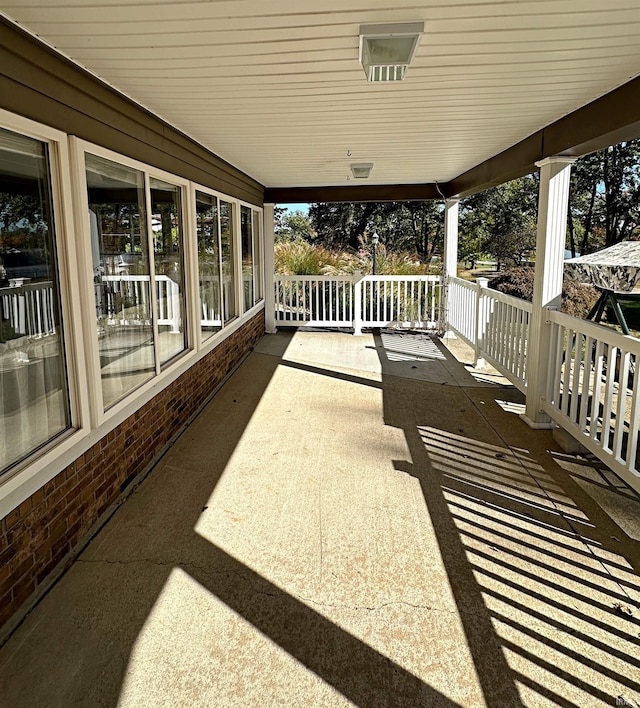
pixel 38 539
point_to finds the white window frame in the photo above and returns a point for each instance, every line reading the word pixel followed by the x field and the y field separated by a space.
pixel 256 280
pixel 89 422
pixel 25 478
pixel 163 375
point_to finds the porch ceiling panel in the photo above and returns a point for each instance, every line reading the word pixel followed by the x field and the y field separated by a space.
pixel 276 88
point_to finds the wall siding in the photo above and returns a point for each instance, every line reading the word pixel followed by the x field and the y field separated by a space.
pixel 40 538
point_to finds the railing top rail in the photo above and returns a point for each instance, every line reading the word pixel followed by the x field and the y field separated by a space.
pixel 409 278
pixel 133 278
pixel 595 331
pixel 26 287
pixel 508 299
pixel 321 278
pixel 464 283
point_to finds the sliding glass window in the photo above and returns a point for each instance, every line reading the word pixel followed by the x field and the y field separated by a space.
pixel 257 256
pixel 208 264
pixel 34 396
pixel 247 256
pixel 122 284
pixel 138 273
pixel 228 261
pixel 166 225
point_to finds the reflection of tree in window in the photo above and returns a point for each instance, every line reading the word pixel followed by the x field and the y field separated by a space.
pixel 247 255
pixel 208 264
pixel 228 268
pixel 34 398
pixel 122 289
pixel 166 225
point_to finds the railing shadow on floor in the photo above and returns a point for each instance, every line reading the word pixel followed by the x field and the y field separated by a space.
pixel 511 529
pixel 89 656
pixel 543 579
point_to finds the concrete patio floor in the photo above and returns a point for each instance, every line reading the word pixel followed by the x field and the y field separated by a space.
pixel 350 521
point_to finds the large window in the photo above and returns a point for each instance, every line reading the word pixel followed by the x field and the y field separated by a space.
pixel 169 267
pixel 251 256
pixel 138 272
pixel 228 261
pixel 34 396
pixel 208 264
pixel 246 228
pixel 257 255
pixel 122 285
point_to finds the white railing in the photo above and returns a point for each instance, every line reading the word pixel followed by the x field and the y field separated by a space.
pixel 314 300
pixel 356 301
pixel 398 300
pixel 594 390
pixel 503 333
pixel 29 309
pixel 462 309
pixel 494 324
pixel 127 301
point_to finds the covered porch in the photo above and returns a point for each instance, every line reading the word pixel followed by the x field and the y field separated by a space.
pixel 351 521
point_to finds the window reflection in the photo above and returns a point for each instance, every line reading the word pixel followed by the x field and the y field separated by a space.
pixel 257 255
pixel 34 400
pixel 228 265
pixel 121 279
pixel 166 225
pixel 208 264
pixel 247 255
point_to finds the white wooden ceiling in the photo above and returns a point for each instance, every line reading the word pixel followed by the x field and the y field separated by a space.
pixel 275 87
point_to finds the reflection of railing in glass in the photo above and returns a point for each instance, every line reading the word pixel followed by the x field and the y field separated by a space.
pixel 29 309
pixel 210 298
pixel 126 300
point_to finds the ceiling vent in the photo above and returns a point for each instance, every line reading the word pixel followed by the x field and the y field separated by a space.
pixel 387 50
pixel 361 170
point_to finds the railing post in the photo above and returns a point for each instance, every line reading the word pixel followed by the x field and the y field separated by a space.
pixel 269 271
pixel 481 322
pixel 553 202
pixel 357 303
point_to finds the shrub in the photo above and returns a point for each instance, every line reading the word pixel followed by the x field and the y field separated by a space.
pixel 577 299
pixel 302 258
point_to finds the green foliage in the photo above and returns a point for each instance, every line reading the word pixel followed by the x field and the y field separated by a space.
pixel 604 198
pixel 391 263
pixel 500 222
pixel 414 227
pixel 295 225
pixel 301 258
pixel 577 299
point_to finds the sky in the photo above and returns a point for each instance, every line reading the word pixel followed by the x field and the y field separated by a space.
pixel 304 208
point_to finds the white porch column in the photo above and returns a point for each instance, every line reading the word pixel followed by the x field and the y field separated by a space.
pixel 553 203
pixel 450 260
pixel 269 268
pixel 450 255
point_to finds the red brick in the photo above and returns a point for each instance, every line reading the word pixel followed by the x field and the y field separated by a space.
pixel 12 518
pixel 38 536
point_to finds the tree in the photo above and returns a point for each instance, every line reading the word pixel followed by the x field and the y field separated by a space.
pixel 295 225
pixel 402 226
pixel 500 222
pixel 605 198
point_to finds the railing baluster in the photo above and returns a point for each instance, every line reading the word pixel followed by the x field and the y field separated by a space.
pixel 623 377
pixel 612 355
pixel 634 419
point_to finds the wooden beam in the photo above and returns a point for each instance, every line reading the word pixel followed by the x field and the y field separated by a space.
pixel 355 193
pixel 606 121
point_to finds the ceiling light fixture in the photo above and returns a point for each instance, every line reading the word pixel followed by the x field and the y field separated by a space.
pixel 387 50
pixel 361 170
